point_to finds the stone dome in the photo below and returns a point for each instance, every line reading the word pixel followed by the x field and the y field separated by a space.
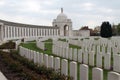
pixel 61 16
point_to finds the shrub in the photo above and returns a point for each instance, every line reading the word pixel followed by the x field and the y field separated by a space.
pixel 8 45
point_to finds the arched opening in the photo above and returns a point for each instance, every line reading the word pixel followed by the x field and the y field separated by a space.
pixel 66 30
pixel 55 25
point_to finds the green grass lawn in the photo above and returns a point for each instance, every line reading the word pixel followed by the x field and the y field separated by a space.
pixel 74 46
pixel 64 40
pixel 48 46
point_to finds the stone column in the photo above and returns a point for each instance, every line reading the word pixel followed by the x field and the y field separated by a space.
pixel 17 31
pixel 30 32
pixel 5 31
pixel 49 32
pixel 41 32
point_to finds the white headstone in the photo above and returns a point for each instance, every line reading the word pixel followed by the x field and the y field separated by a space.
pixel 107 61
pixel 85 58
pixel 41 59
pixel 80 56
pixel 99 60
pixel 83 72
pixel 64 68
pixel 46 60
pixel 73 70
pixel 50 61
pixel 97 74
pixel 75 55
pixel 57 63
pixel 70 53
pixel 67 52
pixel 37 55
pixel 91 58
pixel 35 59
pixel 116 63
pixel 113 76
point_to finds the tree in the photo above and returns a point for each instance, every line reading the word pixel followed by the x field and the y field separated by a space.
pixel 118 29
pixel 106 30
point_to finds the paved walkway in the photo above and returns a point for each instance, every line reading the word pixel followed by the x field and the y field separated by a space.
pixel 2 77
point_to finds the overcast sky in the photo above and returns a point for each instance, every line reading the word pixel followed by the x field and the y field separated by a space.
pixel 42 12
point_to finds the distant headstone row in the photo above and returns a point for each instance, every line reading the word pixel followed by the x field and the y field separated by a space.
pixel 93 57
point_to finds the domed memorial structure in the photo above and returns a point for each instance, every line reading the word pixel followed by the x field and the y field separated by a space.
pixel 64 24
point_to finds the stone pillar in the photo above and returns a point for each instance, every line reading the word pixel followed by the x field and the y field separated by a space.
pixel 41 32
pixel 19 32
pixel 1 32
pixel 49 32
pixel 30 32
pixel 5 31
pixel 11 31
pixel 57 32
pixel 46 31
pixel 38 32
pixel 16 31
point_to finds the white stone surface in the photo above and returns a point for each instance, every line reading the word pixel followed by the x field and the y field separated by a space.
pixel 116 63
pixel 41 62
pixel 99 60
pixel 2 77
pixel 107 61
pixel 91 58
pixel 84 72
pixel 73 70
pixel 85 58
pixel 97 74
pixel 50 61
pixel 70 53
pixel 64 68
pixel 80 56
pixel 75 55
pixel 113 76
pixel 46 60
pixel 57 63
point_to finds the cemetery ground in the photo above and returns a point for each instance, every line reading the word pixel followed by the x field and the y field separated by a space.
pixel 48 50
